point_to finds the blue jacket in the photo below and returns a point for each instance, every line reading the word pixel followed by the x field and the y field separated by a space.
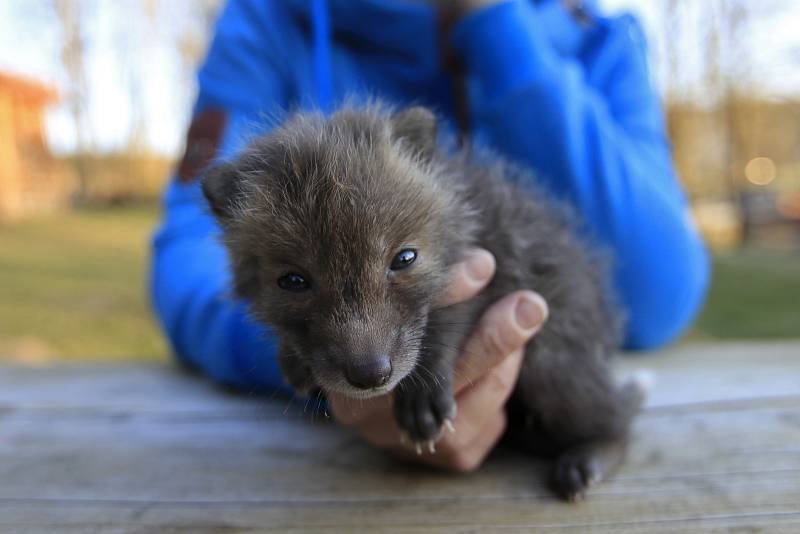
pixel 571 100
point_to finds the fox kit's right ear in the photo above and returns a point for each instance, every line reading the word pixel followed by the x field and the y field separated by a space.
pixel 222 189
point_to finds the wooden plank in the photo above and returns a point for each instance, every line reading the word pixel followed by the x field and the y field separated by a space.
pixel 122 388
pixel 712 372
pixel 88 448
pixel 685 374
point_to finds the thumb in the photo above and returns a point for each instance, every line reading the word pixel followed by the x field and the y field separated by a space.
pixel 505 327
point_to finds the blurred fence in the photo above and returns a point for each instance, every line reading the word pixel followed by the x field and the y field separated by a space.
pixel 740 163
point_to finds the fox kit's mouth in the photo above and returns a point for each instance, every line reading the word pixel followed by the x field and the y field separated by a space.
pixel 341 380
pixel 342 387
pixel 356 393
pixel 357 373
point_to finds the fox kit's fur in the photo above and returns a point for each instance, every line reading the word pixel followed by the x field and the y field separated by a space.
pixel 341 231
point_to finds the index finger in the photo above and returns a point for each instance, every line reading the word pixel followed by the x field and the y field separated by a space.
pixel 505 327
pixel 468 277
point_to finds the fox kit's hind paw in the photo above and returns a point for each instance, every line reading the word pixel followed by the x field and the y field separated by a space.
pixel 579 468
pixel 423 412
pixel 582 466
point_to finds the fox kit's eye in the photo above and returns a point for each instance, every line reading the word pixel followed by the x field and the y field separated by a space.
pixel 293 282
pixel 403 259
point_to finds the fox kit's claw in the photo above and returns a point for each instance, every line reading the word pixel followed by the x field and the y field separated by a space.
pixel 424 413
pixel 448 424
pixel 430 445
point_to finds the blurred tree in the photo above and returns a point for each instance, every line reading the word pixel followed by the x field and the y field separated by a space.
pixel 72 56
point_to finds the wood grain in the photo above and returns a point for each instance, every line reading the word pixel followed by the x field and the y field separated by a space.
pixel 152 449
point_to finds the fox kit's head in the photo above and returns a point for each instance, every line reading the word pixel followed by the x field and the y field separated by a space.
pixel 340 233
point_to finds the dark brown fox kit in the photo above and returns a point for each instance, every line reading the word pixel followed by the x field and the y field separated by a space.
pixel 341 231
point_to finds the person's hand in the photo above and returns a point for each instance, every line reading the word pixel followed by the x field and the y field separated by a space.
pixel 485 376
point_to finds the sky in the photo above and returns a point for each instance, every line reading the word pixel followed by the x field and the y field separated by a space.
pixel 131 54
pixel 125 54
pixel 770 44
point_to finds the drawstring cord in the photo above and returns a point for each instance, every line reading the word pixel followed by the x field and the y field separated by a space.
pixel 458 77
pixel 323 76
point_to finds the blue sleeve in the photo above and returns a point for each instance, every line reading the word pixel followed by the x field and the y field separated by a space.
pixel 592 130
pixel 190 278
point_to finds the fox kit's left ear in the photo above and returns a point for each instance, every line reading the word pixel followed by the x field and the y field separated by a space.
pixel 417 127
pixel 221 188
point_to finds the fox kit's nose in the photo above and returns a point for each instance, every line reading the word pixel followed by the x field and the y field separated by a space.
pixel 369 374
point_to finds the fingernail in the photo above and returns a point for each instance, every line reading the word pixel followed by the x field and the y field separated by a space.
pixel 531 311
pixel 480 265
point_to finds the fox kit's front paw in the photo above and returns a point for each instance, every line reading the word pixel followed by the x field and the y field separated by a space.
pixel 424 411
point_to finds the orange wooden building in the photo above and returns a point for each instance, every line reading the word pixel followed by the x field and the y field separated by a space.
pixel 30 178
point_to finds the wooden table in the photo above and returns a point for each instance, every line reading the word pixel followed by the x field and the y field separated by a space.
pixel 138 448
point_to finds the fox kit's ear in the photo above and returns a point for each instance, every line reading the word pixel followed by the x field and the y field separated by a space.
pixel 221 187
pixel 417 127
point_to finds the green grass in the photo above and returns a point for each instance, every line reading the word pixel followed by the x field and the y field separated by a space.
pixel 73 286
pixel 753 294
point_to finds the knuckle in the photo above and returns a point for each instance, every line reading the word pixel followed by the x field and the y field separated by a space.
pixel 500 381
pixel 447 297
pixel 493 342
pixel 502 378
pixel 459 282
pixel 457 288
